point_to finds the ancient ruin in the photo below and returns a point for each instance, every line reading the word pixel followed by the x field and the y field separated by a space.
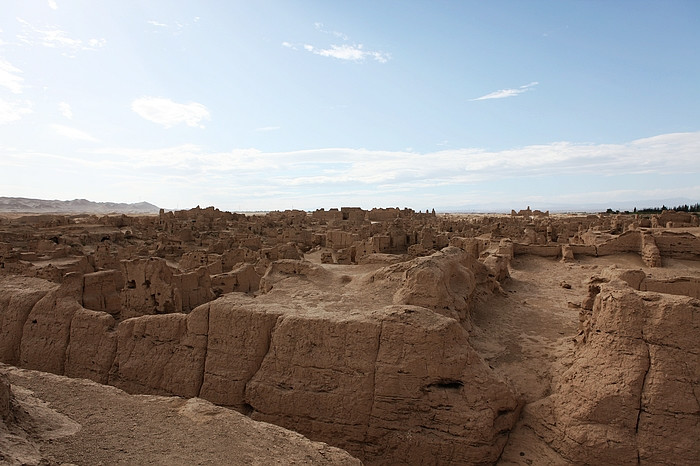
pixel 397 336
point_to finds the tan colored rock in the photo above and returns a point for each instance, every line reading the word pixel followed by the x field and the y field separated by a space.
pixel 631 394
pixel 46 333
pixel 678 245
pixel 92 346
pixel 444 280
pixel 162 355
pixel 18 295
pixel 497 266
pixel 567 253
pixel 5 398
pixel 239 339
pixel 192 289
pixel 650 252
pixel 148 288
pixel 101 291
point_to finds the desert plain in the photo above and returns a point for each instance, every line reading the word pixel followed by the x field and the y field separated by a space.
pixel 350 336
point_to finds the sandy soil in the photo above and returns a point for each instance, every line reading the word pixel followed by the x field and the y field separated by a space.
pixel 75 421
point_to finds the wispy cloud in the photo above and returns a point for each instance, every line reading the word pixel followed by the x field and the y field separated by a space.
pixel 174 27
pixel 664 154
pixel 13 111
pixel 65 109
pixel 53 5
pixel 56 38
pixel 157 24
pixel 167 113
pixel 319 27
pixel 503 93
pixel 348 52
pixel 267 128
pixel 73 133
pixel 10 77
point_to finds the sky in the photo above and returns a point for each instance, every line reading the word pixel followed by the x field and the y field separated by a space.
pixel 274 105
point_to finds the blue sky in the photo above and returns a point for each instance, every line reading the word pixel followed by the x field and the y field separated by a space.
pixel 314 104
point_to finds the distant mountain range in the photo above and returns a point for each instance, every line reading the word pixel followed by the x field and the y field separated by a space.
pixel 76 206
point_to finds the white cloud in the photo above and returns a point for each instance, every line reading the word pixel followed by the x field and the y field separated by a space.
pixel 10 78
pixel 13 111
pixel 52 37
pixel 664 154
pixel 53 5
pixel 73 133
pixel 157 24
pixel 348 52
pixel 267 128
pixel 503 93
pixel 65 110
pixel 319 27
pixel 340 176
pixel 167 113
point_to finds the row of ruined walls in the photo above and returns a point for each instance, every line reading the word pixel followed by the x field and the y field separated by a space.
pixel 651 247
pixel 397 384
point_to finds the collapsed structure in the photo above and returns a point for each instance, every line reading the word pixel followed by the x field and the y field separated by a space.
pixel 353 327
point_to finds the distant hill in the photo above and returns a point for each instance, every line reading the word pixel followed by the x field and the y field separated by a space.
pixel 76 206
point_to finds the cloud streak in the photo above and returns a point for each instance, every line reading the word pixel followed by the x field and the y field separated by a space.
pixel 10 77
pixel 503 93
pixel 167 113
pixel 13 111
pixel 253 179
pixel 346 52
pixel 52 37
pixel 65 109
pixel 72 133
pixel 354 53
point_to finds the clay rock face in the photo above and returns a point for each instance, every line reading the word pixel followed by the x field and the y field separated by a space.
pixel 101 291
pixel 243 278
pixel 650 252
pixel 148 288
pixel 632 393
pixel 442 280
pixel 18 295
pixel 629 241
pixel 46 333
pixel 239 339
pixel 161 355
pixel 192 289
pixel 5 398
pixel 397 386
pixel 678 245
pixel 92 345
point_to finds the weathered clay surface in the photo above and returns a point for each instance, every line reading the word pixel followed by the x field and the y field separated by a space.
pixel 18 295
pixel 73 421
pixel 161 355
pixel 635 382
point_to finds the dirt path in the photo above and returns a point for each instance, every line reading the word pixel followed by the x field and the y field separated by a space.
pixel 526 335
